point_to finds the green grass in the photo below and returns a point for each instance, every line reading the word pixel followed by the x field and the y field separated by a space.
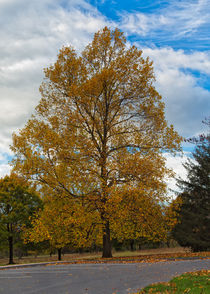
pixel 193 283
pixel 77 256
pixel 147 255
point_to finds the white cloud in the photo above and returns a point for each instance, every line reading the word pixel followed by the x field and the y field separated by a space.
pixel 187 103
pixel 168 58
pixel 4 166
pixel 32 32
pixel 4 170
pixel 175 163
pixel 180 18
pixel 180 75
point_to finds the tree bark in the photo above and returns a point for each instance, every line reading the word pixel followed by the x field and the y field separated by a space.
pixel 132 245
pixel 10 241
pixel 107 248
pixel 59 253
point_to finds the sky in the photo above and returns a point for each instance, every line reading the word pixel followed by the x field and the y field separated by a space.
pixel 175 34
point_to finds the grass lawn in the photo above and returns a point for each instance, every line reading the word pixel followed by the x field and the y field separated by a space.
pixel 150 255
pixel 194 283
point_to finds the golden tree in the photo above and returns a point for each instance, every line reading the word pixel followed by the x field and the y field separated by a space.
pixel 64 223
pixel 99 127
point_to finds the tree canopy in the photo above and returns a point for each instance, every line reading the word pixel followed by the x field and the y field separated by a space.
pixel 64 223
pixel 17 204
pixel 99 128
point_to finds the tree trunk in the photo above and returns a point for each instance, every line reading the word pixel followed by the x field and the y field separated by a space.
pixel 59 253
pixel 132 245
pixel 107 248
pixel 10 241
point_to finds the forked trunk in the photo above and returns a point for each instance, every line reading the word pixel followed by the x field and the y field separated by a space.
pixel 107 248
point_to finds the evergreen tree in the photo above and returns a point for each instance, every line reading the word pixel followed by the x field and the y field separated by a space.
pixel 193 228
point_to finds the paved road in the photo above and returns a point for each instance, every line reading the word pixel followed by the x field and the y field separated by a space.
pixel 92 278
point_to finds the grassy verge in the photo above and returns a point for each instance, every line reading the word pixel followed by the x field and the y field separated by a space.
pixel 193 283
pixel 149 255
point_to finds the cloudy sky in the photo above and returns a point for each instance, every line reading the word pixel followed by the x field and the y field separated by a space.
pixel 175 34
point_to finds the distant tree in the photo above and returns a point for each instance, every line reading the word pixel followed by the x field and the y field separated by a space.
pixel 17 204
pixel 141 217
pixel 99 120
pixel 64 223
pixel 193 229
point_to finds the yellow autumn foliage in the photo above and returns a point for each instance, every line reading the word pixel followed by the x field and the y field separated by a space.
pixel 63 222
pixel 99 128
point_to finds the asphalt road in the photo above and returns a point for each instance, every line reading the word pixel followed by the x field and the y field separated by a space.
pixel 92 278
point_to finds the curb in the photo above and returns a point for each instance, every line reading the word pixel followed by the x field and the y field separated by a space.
pixel 14 266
